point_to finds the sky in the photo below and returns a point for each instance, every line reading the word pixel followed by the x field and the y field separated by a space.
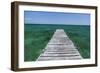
pixel 40 17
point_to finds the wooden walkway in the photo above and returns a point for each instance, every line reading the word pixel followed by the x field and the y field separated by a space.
pixel 60 47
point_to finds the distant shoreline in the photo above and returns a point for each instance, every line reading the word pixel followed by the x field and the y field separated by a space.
pixel 58 24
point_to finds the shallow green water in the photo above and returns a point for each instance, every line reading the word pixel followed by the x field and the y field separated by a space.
pixel 38 35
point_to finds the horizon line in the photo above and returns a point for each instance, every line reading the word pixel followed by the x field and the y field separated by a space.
pixel 49 24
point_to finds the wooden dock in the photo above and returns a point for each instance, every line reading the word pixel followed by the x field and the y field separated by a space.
pixel 60 47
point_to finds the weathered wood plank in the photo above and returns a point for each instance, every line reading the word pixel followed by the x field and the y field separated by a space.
pixel 60 47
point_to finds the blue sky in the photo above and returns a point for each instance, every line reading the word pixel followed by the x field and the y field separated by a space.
pixel 40 17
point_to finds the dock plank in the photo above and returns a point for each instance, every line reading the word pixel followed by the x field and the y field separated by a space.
pixel 60 47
